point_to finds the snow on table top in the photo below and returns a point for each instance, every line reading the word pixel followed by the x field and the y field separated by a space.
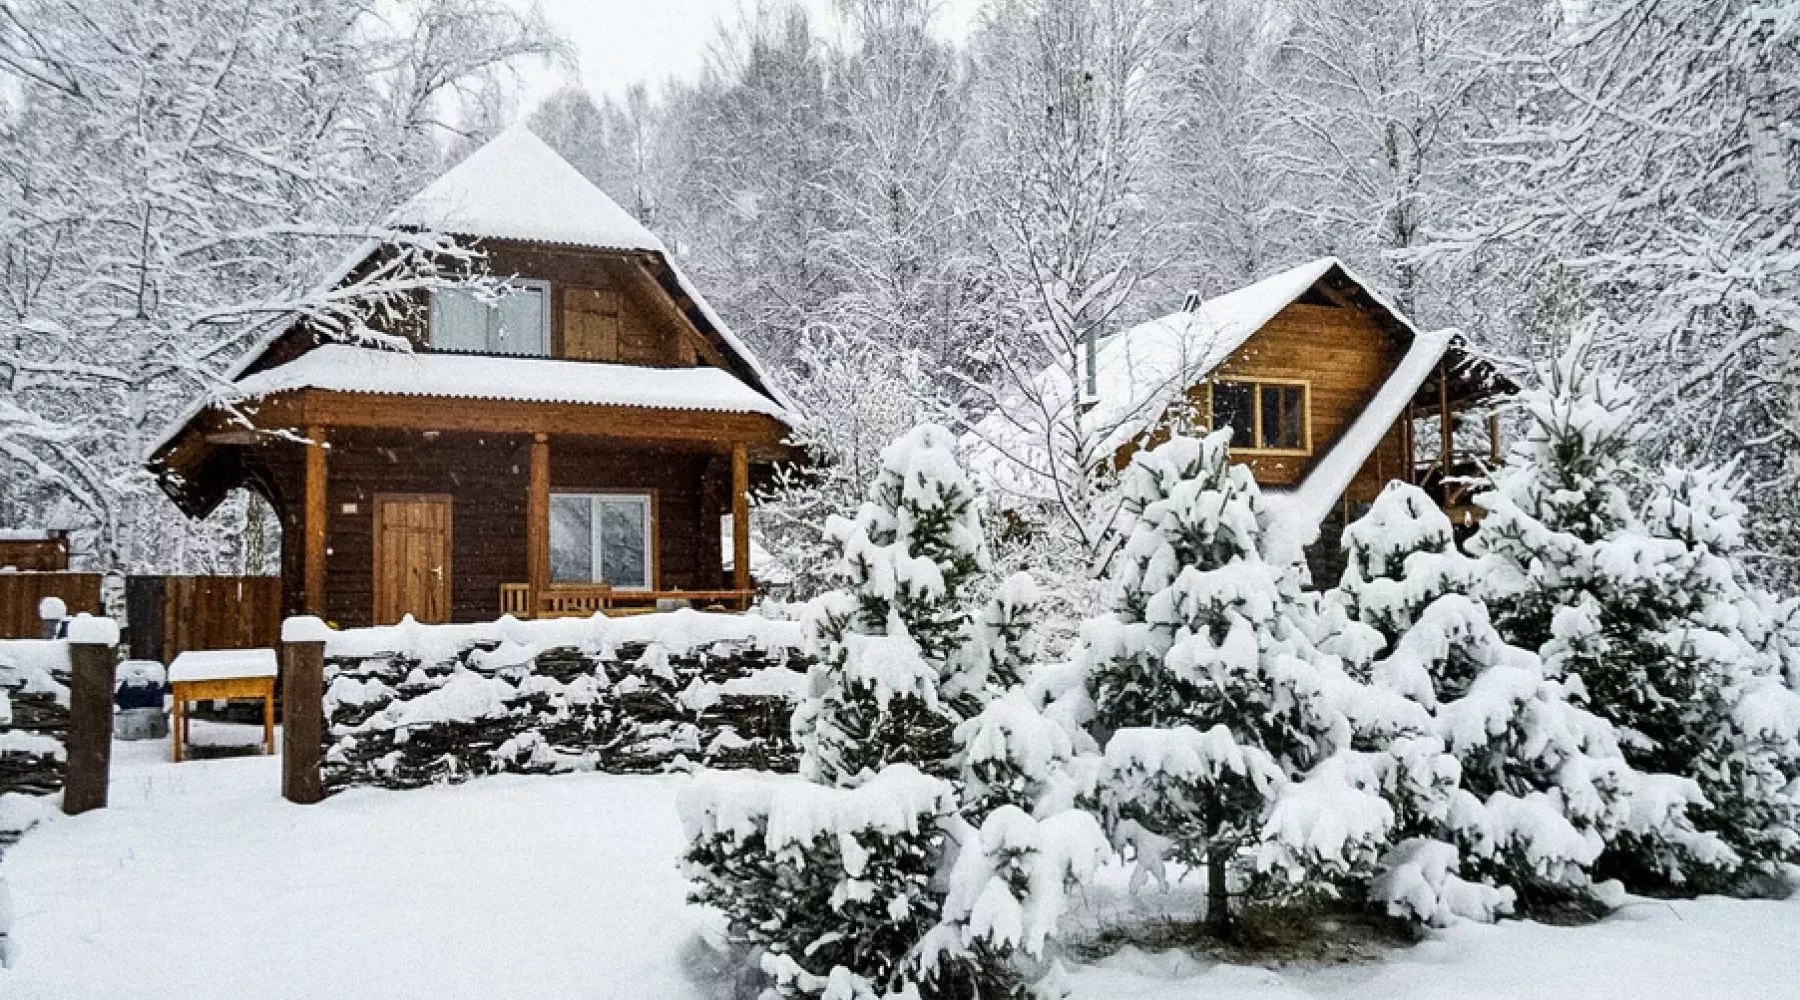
pixel 516 187
pixel 342 368
pixel 220 664
pixel 29 534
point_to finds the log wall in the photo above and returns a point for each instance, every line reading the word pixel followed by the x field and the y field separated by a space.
pixel 487 478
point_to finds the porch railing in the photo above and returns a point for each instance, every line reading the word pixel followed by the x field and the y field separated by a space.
pixel 571 600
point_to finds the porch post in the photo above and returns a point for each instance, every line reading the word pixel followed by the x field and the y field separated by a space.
pixel 1409 470
pixel 1494 451
pixel 314 521
pixel 740 517
pixel 1445 436
pixel 537 518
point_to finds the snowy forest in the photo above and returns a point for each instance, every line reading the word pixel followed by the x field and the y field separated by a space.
pixel 1585 697
pixel 908 225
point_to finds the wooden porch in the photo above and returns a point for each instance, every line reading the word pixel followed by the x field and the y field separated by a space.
pixel 1447 471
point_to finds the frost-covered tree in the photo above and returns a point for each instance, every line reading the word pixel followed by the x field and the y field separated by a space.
pixel 1643 166
pixel 1071 96
pixel 1224 728
pixel 1644 615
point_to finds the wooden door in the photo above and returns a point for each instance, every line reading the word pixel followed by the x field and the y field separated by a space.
pixel 412 557
pixel 591 324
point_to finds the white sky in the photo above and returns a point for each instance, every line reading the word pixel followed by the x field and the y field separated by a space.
pixel 621 42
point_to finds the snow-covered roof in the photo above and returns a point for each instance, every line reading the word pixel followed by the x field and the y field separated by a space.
pixel 515 187
pixel 1138 374
pixel 342 368
pixel 1307 505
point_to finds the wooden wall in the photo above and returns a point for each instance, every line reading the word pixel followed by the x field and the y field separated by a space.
pixel 21 592
pixel 1345 356
pixel 486 477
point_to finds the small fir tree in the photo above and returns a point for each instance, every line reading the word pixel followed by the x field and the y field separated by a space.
pixel 1225 729
pixel 1638 615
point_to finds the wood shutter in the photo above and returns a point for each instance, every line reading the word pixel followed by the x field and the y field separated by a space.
pixel 591 324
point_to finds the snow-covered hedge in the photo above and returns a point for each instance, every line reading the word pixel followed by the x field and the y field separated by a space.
pixel 34 716
pixel 411 704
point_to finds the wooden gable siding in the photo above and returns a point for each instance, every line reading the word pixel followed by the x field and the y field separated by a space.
pixel 486 476
pixel 1344 355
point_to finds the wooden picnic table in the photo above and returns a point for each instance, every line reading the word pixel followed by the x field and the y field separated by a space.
pixel 212 674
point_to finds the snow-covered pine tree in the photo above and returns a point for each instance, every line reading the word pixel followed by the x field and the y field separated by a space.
pixel 1705 693
pixel 891 640
pixel 1225 729
pixel 879 875
pixel 1539 783
pixel 1572 572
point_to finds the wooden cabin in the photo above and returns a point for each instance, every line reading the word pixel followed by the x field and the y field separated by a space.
pixel 1330 394
pixel 569 445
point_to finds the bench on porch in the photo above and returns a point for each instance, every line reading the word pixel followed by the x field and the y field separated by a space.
pixel 577 600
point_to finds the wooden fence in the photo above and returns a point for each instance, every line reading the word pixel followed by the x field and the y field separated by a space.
pixel 21 592
pixel 169 615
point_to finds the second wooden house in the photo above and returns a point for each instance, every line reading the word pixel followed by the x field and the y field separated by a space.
pixel 571 445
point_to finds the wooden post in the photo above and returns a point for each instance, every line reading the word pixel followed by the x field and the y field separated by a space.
pixel 740 517
pixel 302 709
pixel 1409 469
pixel 1494 440
pixel 315 521
pixel 1446 437
pixel 92 661
pixel 537 519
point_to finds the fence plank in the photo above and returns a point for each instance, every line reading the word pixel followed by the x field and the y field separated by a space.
pixel 21 592
pixel 220 612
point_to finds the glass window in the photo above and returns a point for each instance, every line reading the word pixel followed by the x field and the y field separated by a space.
pixel 600 538
pixel 1283 413
pixel 1233 406
pixel 517 321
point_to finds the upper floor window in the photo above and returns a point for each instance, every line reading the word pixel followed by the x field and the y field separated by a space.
pixel 515 320
pixel 1264 415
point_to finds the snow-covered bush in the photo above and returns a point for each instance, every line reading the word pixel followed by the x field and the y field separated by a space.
pixel 1221 720
pixel 930 847
pixel 1641 608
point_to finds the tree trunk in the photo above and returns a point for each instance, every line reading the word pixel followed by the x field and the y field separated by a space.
pixel 1218 902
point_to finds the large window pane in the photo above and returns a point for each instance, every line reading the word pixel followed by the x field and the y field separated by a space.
pixel 571 538
pixel 1283 410
pixel 1233 406
pixel 518 322
pixel 459 321
pixel 623 545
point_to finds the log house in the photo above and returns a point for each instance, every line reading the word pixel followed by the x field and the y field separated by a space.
pixel 567 446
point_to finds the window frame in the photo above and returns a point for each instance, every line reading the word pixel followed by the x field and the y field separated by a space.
pixel 547 323
pixel 1256 384
pixel 652 555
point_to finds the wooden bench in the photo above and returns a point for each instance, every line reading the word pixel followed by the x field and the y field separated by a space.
pixel 571 600
pixel 211 674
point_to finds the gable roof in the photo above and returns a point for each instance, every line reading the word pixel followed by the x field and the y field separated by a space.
pixel 515 187
pixel 1139 373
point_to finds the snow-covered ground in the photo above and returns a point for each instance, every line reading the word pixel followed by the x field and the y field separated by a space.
pixel 200 882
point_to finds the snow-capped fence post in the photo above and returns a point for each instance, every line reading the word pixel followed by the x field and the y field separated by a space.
pixel 93 657
pixel 303 708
